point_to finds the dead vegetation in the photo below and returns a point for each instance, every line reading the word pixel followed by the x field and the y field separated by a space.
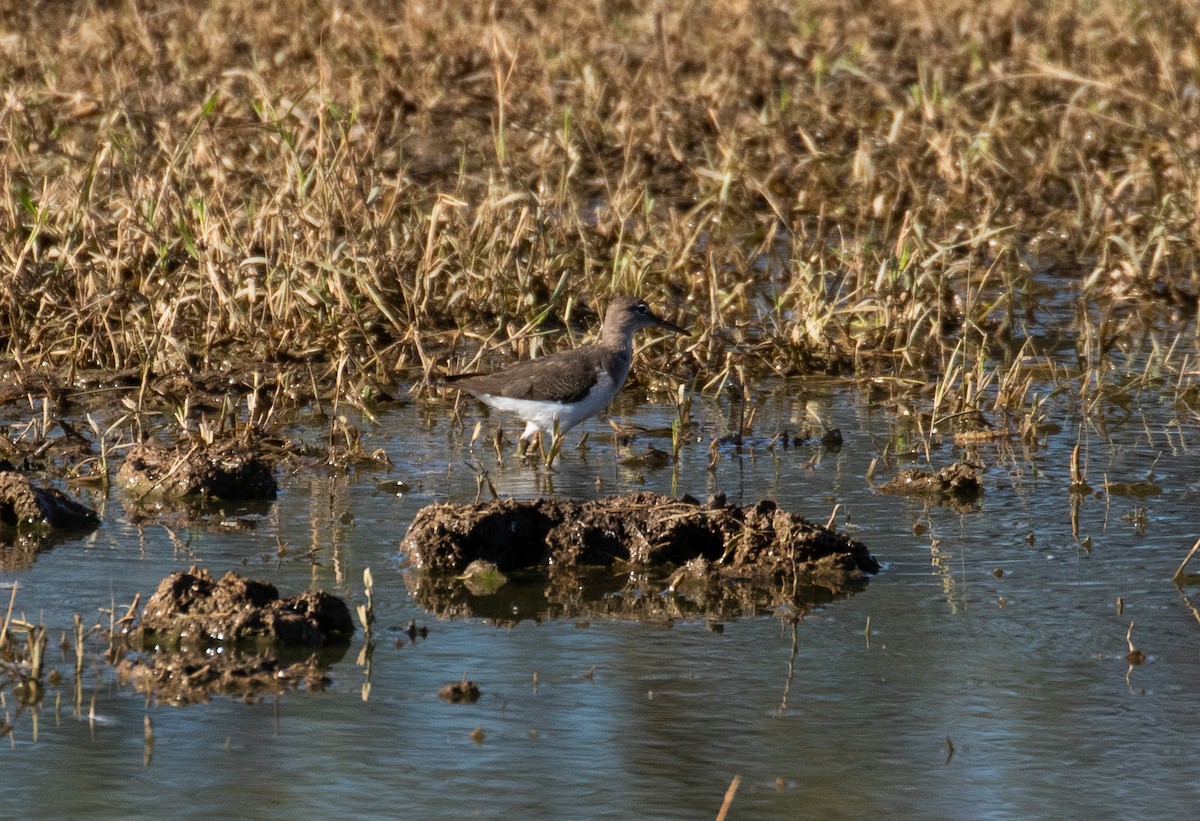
pixel 349 192
pixel 223 213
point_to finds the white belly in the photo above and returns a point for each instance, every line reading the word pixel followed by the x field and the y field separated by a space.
pixel 541 416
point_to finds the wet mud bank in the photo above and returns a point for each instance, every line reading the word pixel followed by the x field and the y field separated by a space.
pixel 642 556
pixel 234 636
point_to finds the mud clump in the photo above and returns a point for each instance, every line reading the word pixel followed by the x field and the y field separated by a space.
pixel 982 436
pixel 679 557
pixel 232 471
pixel 958 482
pixel 460 692
pixel 644 529
pixel 23 504
pixel 34 519
pixel 189 608
pixel 267 644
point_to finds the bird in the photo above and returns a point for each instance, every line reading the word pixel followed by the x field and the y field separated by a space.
pixel 555 393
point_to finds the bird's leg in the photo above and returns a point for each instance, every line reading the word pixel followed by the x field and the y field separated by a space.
pixel 528 444
pixel 497 442
pixel 556 443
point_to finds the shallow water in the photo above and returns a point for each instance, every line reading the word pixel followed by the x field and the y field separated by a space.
pixel 944 690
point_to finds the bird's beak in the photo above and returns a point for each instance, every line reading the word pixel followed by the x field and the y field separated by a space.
pixel 662 323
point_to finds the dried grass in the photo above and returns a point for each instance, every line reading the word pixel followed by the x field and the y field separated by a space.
pixel 815 187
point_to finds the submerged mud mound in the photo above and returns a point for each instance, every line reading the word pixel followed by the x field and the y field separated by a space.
pixel 234 636
pixel 958 482
pixel 677 557
pixel 232 470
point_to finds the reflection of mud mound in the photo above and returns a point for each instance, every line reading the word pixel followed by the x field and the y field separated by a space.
pixel 601 593
pixel 730 560
pixel 186 678
pixel 226 470
pixel 34 518
pixel 958 483
pixel 197 512
pixel 234 636
pixel 19 552
pixel 19 549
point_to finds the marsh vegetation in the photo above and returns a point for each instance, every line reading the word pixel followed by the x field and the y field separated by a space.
pixel 976 223
pixel 354 196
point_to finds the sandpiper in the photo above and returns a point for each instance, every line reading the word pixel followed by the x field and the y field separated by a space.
pixel 555 393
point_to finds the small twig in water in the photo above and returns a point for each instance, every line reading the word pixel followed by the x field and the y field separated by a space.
pixel 729 794
pixel 1179 572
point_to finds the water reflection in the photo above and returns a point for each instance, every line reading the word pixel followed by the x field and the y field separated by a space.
pixel 614 593
pixel 995 634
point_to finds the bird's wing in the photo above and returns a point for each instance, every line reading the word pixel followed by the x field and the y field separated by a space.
pixel 554 378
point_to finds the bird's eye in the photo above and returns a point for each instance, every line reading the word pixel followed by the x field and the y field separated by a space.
pixel 642 308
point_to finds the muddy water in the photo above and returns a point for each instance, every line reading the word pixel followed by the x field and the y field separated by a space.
pixel 980 675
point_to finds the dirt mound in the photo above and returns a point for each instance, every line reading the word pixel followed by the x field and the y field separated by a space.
pixel 22 504
pixel 190 609
pixel 231 470
pixel 958 482
pixel 234 636
pixel 678 558
pixel 641 528
pixel 34 519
